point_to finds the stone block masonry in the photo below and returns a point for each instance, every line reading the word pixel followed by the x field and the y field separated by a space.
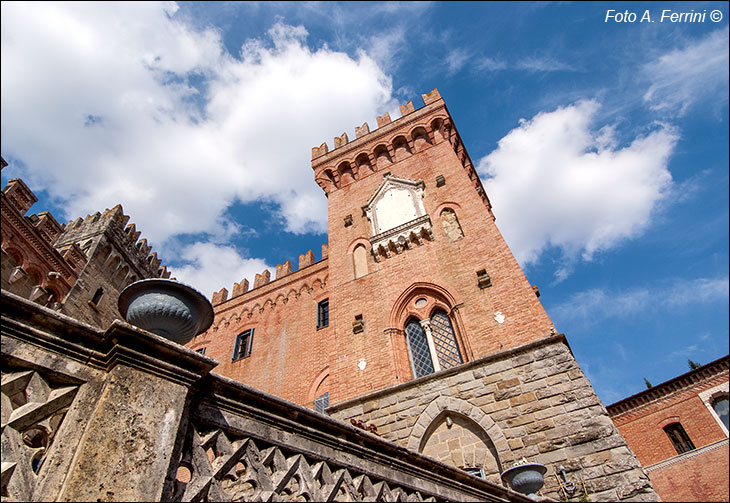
pixel 532 401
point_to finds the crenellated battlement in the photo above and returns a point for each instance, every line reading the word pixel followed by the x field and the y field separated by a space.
pixel 392 141
pixel 114 224
pixel 264 278
pixel 383 120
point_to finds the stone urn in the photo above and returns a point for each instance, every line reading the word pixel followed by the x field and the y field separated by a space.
pixel 526 478
pixel 166 307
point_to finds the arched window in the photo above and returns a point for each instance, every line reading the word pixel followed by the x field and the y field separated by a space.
pixel 679 438
pixel 450 223
pixel 360 261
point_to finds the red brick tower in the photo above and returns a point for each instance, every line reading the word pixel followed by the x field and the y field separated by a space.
pixel 419 325
pixel 412 238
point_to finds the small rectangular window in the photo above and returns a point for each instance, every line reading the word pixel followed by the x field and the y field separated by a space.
pixel 679 438
pixel 242 348
pixel 323 313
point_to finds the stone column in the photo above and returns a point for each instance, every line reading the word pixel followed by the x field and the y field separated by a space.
pixel 426 324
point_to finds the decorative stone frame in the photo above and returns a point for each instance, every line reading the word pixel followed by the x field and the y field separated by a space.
pixel 388 238
pixel 709 395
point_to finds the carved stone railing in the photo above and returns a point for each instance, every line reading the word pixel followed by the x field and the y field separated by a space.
pixel 124 415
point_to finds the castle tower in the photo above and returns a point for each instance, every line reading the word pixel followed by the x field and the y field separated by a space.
pixel 114 258
pixel 416 260
pixel 418 324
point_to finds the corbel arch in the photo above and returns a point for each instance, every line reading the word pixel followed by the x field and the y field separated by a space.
pixel 420 138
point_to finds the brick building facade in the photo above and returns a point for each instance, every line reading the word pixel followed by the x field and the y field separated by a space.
pixel 79 268
pixel 418 324
pixel 679 431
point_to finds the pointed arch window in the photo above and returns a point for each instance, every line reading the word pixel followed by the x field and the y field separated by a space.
pixel 432 344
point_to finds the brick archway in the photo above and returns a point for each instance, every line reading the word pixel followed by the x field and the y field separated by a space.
pixel 461 407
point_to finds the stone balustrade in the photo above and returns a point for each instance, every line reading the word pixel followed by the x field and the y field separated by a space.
pixel 124 415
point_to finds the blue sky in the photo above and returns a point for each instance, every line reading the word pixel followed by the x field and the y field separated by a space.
pixel 603 145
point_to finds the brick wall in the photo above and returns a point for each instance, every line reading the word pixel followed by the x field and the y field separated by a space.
pixel 288 352
pixel 699 478
pixel 641 420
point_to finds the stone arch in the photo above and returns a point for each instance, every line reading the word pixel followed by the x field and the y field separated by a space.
pixel 401 309
pixel 434 417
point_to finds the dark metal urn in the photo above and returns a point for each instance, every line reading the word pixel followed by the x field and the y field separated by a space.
pixel 526 478
pixel 166 307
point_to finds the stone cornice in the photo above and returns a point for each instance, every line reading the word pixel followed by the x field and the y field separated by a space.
pixel 120 343
pixel 223 400
pixel 687 455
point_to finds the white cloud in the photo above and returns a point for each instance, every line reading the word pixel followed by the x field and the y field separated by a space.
pixel 555 181
pixel 97 102
pixel 685 76
pixel 456 59
pixel 596 305
pixel 210 267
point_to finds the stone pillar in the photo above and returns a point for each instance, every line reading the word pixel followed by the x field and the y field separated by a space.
pixel 125 451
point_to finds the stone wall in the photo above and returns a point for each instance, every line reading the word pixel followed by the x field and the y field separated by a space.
pixel 532 402
pixel 124 415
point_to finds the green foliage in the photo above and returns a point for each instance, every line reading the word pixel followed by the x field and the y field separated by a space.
pixel 693 365
pixel 648 384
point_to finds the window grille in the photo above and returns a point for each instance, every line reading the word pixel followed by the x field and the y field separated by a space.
pixel 322 402
pixel 418 349
pixel 444 340
pixel 323 313
pixel 242 348
pixel 679 438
